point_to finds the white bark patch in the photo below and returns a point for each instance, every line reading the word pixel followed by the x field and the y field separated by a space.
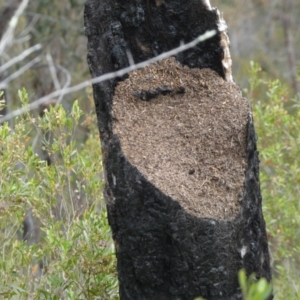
pixel 225 44
pixel 114 179
pixel 207 3
pixel 243 251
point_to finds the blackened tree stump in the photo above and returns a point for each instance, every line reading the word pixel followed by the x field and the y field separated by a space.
pixel 179 152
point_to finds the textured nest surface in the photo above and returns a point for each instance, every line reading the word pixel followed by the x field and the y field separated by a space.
pixel 185 131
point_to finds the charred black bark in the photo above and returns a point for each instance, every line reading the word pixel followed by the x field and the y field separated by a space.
pixel 164 252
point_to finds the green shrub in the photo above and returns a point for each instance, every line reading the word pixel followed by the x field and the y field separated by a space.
pixel 254 290
pixel 75 245
pixel 277 120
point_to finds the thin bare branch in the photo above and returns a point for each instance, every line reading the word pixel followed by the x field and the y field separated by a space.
pixel 66 85
pixel 8 35
pixel 20 57
pixel 107 76
pixel 31 25
pixel 53 71
pixel 6 13
pixel 16 74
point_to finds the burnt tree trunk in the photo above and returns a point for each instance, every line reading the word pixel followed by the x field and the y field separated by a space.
pixel 179 152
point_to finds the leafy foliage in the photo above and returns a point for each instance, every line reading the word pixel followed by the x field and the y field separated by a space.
pixel 75 249
pixel 277 120
pixel 252 290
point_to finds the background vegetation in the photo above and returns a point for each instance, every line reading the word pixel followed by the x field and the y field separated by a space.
pixel 50 159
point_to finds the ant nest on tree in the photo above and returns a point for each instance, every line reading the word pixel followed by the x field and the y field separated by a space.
pixel 185 130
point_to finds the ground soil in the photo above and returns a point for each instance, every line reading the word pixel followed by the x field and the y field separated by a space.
pixel 185 131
